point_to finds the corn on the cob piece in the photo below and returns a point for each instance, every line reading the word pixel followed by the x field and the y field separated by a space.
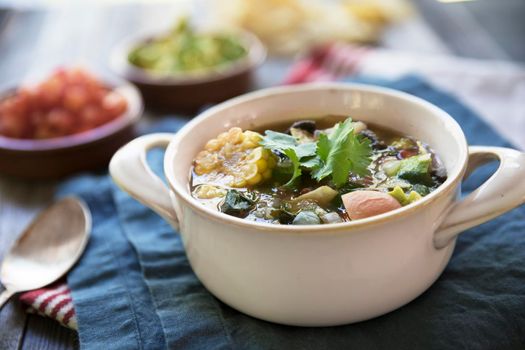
pixel 235 159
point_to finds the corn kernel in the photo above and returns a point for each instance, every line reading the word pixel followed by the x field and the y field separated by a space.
pixel 248 144
pixel 249 171
pixel 253 136
pixel 262 165
pixel 235 135
pixel 255 155
pixel 254 180
pixel 199 170
pixel 228 149
pixel 202 154
pixel 223 137
pixel 213 145
pixel 238 182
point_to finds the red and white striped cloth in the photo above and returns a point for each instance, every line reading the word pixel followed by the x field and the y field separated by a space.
pixel 496 90
pixel 53 301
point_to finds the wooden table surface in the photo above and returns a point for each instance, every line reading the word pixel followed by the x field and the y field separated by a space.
pixel 34 41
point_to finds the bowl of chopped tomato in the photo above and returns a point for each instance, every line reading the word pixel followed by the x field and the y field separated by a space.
pixel 69 122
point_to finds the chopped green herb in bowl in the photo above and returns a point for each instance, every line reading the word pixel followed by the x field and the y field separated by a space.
pixel 184 50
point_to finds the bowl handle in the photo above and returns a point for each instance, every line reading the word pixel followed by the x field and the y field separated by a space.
pixel 130 171
pixel 503 191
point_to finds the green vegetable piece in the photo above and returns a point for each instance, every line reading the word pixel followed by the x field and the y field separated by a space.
pixel 402 198
pixel 306 218
pixel 343 153
pixel 413 196
pixel 416 169
pixel 421 189
pixel 391 167
pixel 237 203
pixel 392 182
pixel 399 195
pixel 403 143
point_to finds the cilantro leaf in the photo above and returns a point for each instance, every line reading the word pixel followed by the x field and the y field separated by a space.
pixel 342 152
pixel 336 155
pixel 290 153
pixel 311 163
pixel 289 146
pixel 305 149
pixel 278 141
pixel 358 157
pixel 323 147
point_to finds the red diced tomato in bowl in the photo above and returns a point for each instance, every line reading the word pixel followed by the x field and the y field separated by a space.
pixel 68 102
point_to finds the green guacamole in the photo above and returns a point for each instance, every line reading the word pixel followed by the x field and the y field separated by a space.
pixel 183 50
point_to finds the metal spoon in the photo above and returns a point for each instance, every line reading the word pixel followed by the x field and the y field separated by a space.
pixel 47 249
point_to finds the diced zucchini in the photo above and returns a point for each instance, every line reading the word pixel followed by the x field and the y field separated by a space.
pixel 402 197
pixel 416 169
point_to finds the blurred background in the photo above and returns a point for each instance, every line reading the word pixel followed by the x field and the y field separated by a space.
pixel 36 35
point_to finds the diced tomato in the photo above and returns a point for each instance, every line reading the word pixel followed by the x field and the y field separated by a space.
pixel 68 102
pixel 75 98
pixel 114 104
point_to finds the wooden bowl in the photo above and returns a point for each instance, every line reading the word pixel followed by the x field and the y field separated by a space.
pixel 188 92
pixel 61 156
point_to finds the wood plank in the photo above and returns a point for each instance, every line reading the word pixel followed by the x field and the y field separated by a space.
pixel 44 334
pixel 12 321
pixel 19 202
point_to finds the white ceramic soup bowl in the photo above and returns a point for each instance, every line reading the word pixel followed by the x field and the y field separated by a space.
pixel 325 274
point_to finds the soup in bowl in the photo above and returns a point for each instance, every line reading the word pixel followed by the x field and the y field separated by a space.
pixel 314 172
pixel 300 239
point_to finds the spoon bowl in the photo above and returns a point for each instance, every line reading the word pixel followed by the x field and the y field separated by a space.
pixel 47 249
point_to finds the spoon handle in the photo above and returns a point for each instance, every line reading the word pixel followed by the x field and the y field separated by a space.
pixel 4 297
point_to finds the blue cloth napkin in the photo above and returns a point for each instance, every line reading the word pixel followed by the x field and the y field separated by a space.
pixel 134 288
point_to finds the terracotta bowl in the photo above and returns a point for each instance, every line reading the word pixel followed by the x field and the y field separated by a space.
pixel 189 92
pixel 58 157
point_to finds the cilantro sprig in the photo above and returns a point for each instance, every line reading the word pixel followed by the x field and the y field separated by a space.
pixel 335 155
pixel 290 147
